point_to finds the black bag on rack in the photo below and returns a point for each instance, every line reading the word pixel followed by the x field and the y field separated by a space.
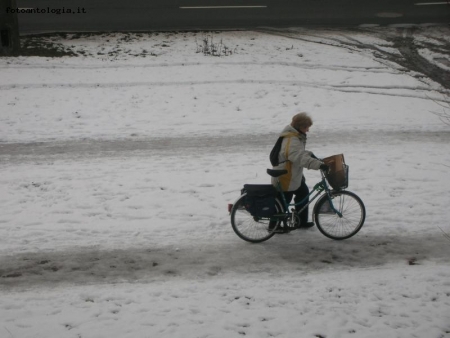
pixel 260 199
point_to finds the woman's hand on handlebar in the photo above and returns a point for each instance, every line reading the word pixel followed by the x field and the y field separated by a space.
pixel 325 168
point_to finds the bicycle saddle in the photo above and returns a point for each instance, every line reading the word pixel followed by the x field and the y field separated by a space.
pixel 276 173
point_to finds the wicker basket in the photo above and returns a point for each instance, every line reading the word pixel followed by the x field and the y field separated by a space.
pixel 337 176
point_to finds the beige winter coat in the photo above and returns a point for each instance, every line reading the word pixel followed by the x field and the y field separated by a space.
pixel 294 158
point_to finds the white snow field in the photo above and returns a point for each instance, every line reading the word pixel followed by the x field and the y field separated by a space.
pixel 117 166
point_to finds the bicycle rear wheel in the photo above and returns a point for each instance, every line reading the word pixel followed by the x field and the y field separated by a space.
pixel 250 228
pixel 330 224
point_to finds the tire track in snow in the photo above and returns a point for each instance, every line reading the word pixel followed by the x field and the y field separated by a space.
pixel 364 89
pixel 407 47
pixel 203 64
pixel 229 143
pixel 202 258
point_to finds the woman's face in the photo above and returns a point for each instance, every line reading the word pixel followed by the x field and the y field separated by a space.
pixel 304 130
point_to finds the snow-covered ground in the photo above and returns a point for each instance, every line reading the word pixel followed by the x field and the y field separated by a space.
pixel 118 164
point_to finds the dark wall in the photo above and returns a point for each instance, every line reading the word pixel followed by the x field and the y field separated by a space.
pixel 9 29
pixel 134 15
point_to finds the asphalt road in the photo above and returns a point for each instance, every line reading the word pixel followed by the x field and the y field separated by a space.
pixel 135 15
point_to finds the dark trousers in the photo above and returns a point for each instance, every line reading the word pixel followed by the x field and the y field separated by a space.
pixel 300 194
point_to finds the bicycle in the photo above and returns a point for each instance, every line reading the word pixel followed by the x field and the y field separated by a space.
pixel 338 214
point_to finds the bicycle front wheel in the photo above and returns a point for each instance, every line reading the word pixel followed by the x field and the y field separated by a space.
pixel 251 228
pixel 330 224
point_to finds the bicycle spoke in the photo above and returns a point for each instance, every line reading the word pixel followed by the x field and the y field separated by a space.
pixel 353 214
pixel 251 228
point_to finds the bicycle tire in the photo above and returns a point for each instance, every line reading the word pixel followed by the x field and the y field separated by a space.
pixel 249 228
pixel 330 224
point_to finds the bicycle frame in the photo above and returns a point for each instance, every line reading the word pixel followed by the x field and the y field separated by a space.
pixel 319 188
